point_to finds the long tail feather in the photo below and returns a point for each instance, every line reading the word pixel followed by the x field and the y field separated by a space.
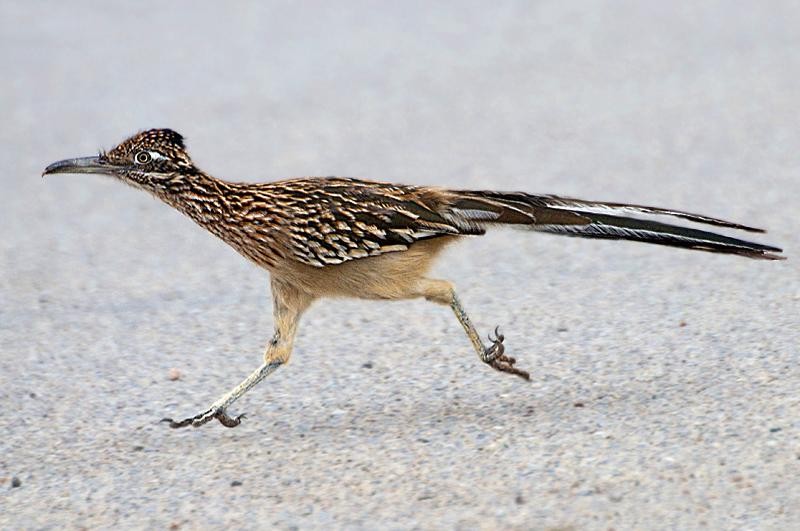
pixel 610 227
pixel 593 219
pixel 600 207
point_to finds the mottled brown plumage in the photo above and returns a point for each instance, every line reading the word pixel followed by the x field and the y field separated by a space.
pixel 322 237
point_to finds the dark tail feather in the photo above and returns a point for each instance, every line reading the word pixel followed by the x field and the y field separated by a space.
pixel 592 219
pixel 610 227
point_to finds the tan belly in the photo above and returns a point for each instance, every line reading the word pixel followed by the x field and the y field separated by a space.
pixel 394 275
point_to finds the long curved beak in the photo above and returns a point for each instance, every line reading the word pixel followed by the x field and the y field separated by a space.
pixel 80 165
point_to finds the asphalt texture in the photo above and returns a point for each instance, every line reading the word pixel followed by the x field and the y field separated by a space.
pixel 665 383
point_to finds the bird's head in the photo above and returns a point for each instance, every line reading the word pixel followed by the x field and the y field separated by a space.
pixel 151 160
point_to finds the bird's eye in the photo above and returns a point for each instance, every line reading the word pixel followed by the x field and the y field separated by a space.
pixel 143 157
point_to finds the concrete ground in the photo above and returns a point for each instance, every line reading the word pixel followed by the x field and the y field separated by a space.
pixel 666 383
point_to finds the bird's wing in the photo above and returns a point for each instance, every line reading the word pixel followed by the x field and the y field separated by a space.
pixel 337 219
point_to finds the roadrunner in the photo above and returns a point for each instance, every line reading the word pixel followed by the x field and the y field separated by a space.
pixel 340 237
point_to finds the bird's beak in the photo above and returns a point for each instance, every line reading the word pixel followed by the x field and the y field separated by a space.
pixel 80 165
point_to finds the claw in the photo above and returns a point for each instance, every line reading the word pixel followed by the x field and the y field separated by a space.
pixel 494 351
pixel 495 357
pixel 228 421
pixel 177 424
pixel 201 418
pixel 497 335
pixel 509 368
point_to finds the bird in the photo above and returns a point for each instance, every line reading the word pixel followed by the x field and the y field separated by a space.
pixel 324 237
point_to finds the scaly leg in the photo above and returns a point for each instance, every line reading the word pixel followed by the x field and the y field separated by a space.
pixel 288 304
pixel 443 292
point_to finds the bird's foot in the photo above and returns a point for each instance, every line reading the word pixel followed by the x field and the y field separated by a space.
pixel 214 412
pixel 494 356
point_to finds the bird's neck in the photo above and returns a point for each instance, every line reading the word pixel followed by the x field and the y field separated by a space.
pixel 233 212
pixel 199 195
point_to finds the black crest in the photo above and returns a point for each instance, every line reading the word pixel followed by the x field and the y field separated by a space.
pixel 163 147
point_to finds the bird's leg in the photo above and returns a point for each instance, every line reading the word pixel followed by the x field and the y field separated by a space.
pixel 288 305
pixel 443 292
pixel 217 410
pixel 494 354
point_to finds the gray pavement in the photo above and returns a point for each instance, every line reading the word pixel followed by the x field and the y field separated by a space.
pixel 666 383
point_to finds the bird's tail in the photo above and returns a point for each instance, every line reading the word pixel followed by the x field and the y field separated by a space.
pixel 593 219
